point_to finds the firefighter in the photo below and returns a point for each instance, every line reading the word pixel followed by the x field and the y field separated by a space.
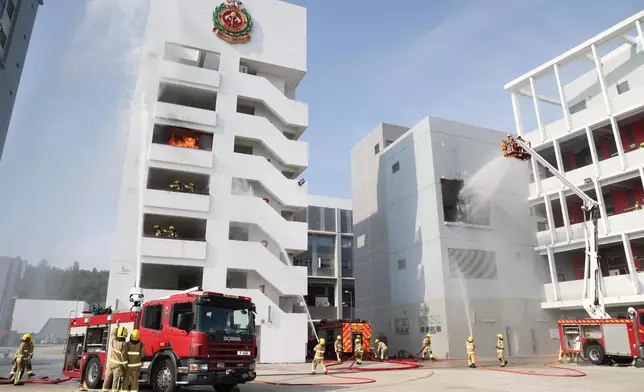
pixel 116 361
pixel 190 188
pixel 24 354
pixel 500 350
pixel 338 348
pixel 157 231
pixel 359 350
pixel 381 350
pixel 471 353
pixel 176 186
pixel 562 355
pixel 427 347
pixel 637 206
pixel 318 359
pixel 171 232
pixel 135 355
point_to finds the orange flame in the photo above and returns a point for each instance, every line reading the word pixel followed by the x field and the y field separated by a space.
pixel 185 141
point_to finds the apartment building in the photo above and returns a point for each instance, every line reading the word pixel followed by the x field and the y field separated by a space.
pixel 329 258
pixel 432 259
pixel 213 152
pixel 584 113
pixel 17 19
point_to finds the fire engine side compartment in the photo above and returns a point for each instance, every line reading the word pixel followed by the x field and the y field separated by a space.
pixel 616 339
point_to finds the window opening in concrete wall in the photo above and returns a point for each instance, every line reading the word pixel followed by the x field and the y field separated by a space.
pixel 189 182
pixel 241 149
pixel 472 264
pixel 461 207
pixel 578 107
pixel 395 167
pixel 246 109
pixel 306 259
pixel 376 148
pixel 402 264
pixel 622 87
pixel 152 317
pixel 193 57
pixel 236 279
pixel 187 229
pixel 187 96
pixel 388 143
pixel 170 277
pixel 346 221
pixel 300 216
pixel 182 137
pixel 401 326
pixel 237 232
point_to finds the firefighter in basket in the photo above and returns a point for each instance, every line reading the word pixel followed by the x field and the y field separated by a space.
pixel 358 349
pixel 381 350
pixel 190 188
pixel 135 355
pixel 471 352
pixel 338 348
pixel 176 186
pixel 500 350
pixel 157 231
pixel 22 360
pixel 171 232
pixel 116 361
pixel 427 347
pixel 318 359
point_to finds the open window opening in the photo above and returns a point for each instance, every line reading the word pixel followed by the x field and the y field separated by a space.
pixel 236 279
pixel 182 137
pixel 251 107
pixel 170 277
pixel 174 227
pixel 461 207
pixel 178 181
pixel 187 96
pixel 193 57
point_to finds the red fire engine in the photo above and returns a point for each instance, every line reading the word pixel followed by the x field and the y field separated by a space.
pixel 191 338
pixel 600 337
pixel 348 329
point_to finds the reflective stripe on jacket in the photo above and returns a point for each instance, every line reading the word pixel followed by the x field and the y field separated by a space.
pixel 319 351
pixel 118 350
pixel 135 354
pixel 470 347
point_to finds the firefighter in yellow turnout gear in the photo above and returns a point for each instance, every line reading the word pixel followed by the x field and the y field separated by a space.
pixel 427 347
pixel 471 353
pixel 358 349
pixel 318 359
pixel 116 360
pixel 381 350
pixel 135 355
pixel 338 348
pixel 500 350
pixel 23 357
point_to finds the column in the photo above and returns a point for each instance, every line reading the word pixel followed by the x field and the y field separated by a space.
pixel 640 34
pixel 535 174
pixel 564 214
pixel 602 206
pixel 560 166
pixel 602 80
pixel 562 98
pixel 593 151
pixel 642 175
pixel 551 220
pixel 618 142
pixel 631 264
pixel 338 265
pixel 553 273
pixel 517 113
pixel 537 112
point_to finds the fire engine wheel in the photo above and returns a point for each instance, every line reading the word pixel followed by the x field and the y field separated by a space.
pixel 595 354
pixel 164 377
pixel 93 373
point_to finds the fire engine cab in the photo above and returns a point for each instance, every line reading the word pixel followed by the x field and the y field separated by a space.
pixel 191 338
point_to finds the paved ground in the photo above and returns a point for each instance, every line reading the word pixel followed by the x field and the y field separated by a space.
pixel 453 376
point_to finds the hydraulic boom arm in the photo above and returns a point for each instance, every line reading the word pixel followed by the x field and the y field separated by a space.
pixel 593 281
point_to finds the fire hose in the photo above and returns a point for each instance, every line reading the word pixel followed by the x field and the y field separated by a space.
pixel 42 380
pixel 572 372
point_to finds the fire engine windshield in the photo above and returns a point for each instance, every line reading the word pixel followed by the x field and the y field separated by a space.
pixel 211 319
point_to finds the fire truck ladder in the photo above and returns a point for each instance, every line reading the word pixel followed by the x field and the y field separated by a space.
pixel 593 281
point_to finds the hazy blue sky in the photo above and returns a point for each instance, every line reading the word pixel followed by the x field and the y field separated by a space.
pixel 368 61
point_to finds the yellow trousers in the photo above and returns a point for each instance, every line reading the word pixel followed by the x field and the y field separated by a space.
pixel 471 358
pixel 317 362
pixel 113 378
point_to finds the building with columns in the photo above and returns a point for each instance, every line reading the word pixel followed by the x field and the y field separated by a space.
pixel 584 112
pixel 213 151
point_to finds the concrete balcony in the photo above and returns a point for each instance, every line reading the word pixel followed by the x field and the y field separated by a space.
pixel 186 114
pixel 292 113
pixel 257 168
pixel 181 155
pixel 290 152
pixel 619 291
pixel 253 256
pixel 178 249
pixel 323 312
pixel 189 75
pixel 177 200
pixel 254 210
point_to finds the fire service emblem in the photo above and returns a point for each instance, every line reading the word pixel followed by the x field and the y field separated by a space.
pixel 232 22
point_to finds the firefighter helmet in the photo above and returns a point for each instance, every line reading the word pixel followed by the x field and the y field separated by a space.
pixel 339 337
pixel 171 228
pixel 136 335
pixel 27 337
pixel 322 341
pixel 377 340
pixel 429 335
pixel 500 336
pixel 121 332
pixel 470 339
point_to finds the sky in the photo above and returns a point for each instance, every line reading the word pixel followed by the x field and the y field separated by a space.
pixel 369 61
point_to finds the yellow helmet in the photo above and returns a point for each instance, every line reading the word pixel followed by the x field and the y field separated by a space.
pixel 121 332
pixel 171 228
pixel 357 340
pixel 500 336
pixel 322 341
pixel 429 335
pixel 177 182
pixel 339 337
pixel 27 336
pixel 508 135
pixel 156 226
pixel 470 339
pixel 377 340
pixel 136 335
pixel 191 184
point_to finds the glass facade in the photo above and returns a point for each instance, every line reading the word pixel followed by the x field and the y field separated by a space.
pixel 346 255
pixel 346 221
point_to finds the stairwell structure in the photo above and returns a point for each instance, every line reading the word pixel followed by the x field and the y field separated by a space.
pixel 221 118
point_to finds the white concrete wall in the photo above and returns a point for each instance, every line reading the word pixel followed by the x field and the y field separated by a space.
pixel 30 315
pixel 281 54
